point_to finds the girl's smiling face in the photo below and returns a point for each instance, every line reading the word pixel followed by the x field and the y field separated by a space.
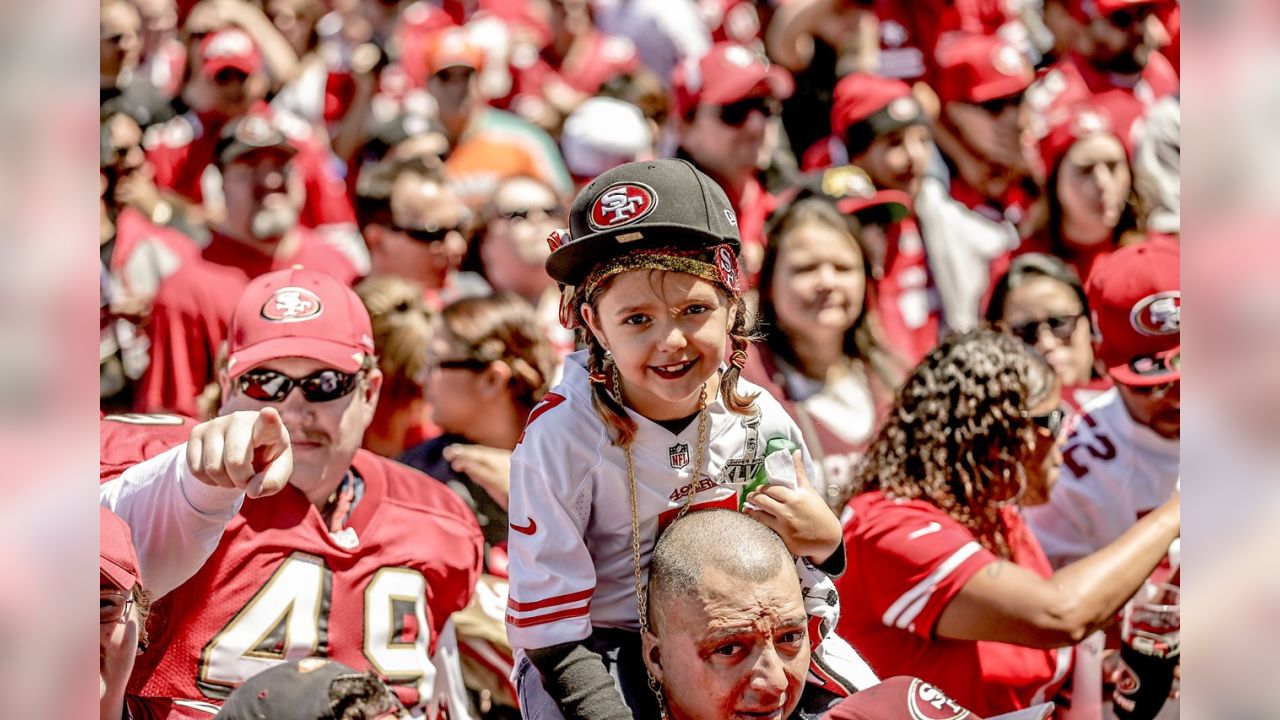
pixel 667 332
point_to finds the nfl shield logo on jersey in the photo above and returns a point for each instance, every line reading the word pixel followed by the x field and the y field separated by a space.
pixel 679 455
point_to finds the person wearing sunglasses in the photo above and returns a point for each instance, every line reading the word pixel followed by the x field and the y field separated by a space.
pixel 1121 459
pixel 426 238
pixel 980 82
pixel 1041 301
pixel 725 106
pixel 123 613
pixel 338 561
pixel 953 588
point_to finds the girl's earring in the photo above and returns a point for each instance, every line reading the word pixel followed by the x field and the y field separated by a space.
pixel 616 387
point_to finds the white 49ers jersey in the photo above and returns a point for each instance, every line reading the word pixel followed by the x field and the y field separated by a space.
pixel 1114 471
pixel 570 548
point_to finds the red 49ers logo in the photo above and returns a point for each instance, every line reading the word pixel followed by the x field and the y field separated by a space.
pixel 926 702
pixel 621 204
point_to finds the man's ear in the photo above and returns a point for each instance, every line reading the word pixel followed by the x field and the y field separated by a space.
pixel 497 376
pixel 652 649
pixel 373 236
pixel 593 325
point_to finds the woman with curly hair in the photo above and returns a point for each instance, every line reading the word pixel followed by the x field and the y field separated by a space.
pixel 953 587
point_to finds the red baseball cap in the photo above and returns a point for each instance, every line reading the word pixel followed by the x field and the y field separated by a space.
pixel 727 73
pixel 229 48
pixel 1086 10
pixel 299 313
pixel 907 698
pixel 1068 125
pixel 1135 297
pixel 975 68
pixel 886 103
pixel 451 47
pixel 117 560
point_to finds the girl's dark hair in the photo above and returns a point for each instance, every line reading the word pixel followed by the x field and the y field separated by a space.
pixel 958 433
pixel 863 341
pixel 1030 266
pixel 503 327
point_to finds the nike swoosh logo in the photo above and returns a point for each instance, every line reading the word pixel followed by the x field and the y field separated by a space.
pixel 932 527
pixel 529 529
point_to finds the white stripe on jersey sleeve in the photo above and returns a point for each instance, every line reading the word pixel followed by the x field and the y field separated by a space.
pixel 907 608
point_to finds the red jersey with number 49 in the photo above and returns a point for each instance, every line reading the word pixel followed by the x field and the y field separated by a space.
pixel 280 586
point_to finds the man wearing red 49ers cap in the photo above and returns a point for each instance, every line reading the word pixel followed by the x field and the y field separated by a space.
pixel 341 561
pixel 1121 459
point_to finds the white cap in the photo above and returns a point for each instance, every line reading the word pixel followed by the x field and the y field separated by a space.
pixel 603 133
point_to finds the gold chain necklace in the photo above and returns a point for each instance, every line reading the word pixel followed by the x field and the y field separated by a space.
pixel 642 602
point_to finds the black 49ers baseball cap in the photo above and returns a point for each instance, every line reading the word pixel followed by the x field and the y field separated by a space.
pixel 642 206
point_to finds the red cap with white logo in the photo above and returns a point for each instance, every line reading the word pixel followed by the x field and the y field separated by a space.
pixel 229 48
pixel 117 560
pixel 729 72
pixel 299 313
pixel 976 68
pixel 1136 300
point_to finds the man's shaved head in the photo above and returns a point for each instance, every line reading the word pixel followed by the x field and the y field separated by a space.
pixel 728 633
pixel 732 543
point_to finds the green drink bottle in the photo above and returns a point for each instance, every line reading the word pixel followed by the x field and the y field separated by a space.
pixel 761 478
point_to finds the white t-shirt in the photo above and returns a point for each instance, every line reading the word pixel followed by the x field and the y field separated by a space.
pixel 1114 471
pixel 571 564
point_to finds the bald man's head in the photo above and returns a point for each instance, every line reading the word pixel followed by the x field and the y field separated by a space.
pixel 728 541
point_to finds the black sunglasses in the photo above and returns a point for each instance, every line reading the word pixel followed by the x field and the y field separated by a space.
pixel 322 386
pixel 997 106
pixel 462 364
pixel 525 213
pixel 1051 421
pixel 736 114
pixel 1061 326
pixel 430 235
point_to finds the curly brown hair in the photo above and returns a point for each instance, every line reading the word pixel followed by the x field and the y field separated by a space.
pixel 959 431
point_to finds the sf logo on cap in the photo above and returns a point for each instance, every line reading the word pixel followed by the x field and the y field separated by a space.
pixel 291 304
pixel 621 204
pixel 1158 314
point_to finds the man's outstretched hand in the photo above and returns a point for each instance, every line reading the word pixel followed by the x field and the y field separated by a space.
pixel 249 450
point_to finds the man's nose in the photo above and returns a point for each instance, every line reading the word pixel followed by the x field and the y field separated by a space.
pixel 768 675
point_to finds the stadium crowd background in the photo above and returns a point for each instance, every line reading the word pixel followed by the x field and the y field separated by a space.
pixel 899 172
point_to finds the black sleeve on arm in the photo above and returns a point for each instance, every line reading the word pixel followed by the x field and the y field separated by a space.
pixel 576 678
pixel 834 566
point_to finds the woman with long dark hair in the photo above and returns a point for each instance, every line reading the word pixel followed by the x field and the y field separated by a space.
pixel 820 351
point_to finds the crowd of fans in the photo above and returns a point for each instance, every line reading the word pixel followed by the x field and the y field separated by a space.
pixel 954 284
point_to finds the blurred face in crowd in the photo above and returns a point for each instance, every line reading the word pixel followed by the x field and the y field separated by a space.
pixel 1123 41
pixel 456 383
pixel 324 434
pixel 820 280
pixel 127 155
pixel 515 248
pixel 1048 315
pixel 1093 188
pixel 1045 462
pixel 233 92
pixel 296 20
pixel 120 628
pixel 425 242
pixel 898 159
pixel 734 650
pixel 457 93
pixel 119 27
pixel 262 197
pixel 990 129
pixel 726 139
pixel 1158 407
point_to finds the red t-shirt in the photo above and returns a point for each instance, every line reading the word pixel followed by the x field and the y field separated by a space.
pixel 193 306
pixel 907 561
pixel 280 586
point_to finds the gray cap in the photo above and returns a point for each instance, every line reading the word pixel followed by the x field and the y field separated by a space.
pixel 643 205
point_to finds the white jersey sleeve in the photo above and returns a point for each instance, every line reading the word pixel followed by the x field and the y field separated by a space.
pixel 551 570
pixel 176 520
